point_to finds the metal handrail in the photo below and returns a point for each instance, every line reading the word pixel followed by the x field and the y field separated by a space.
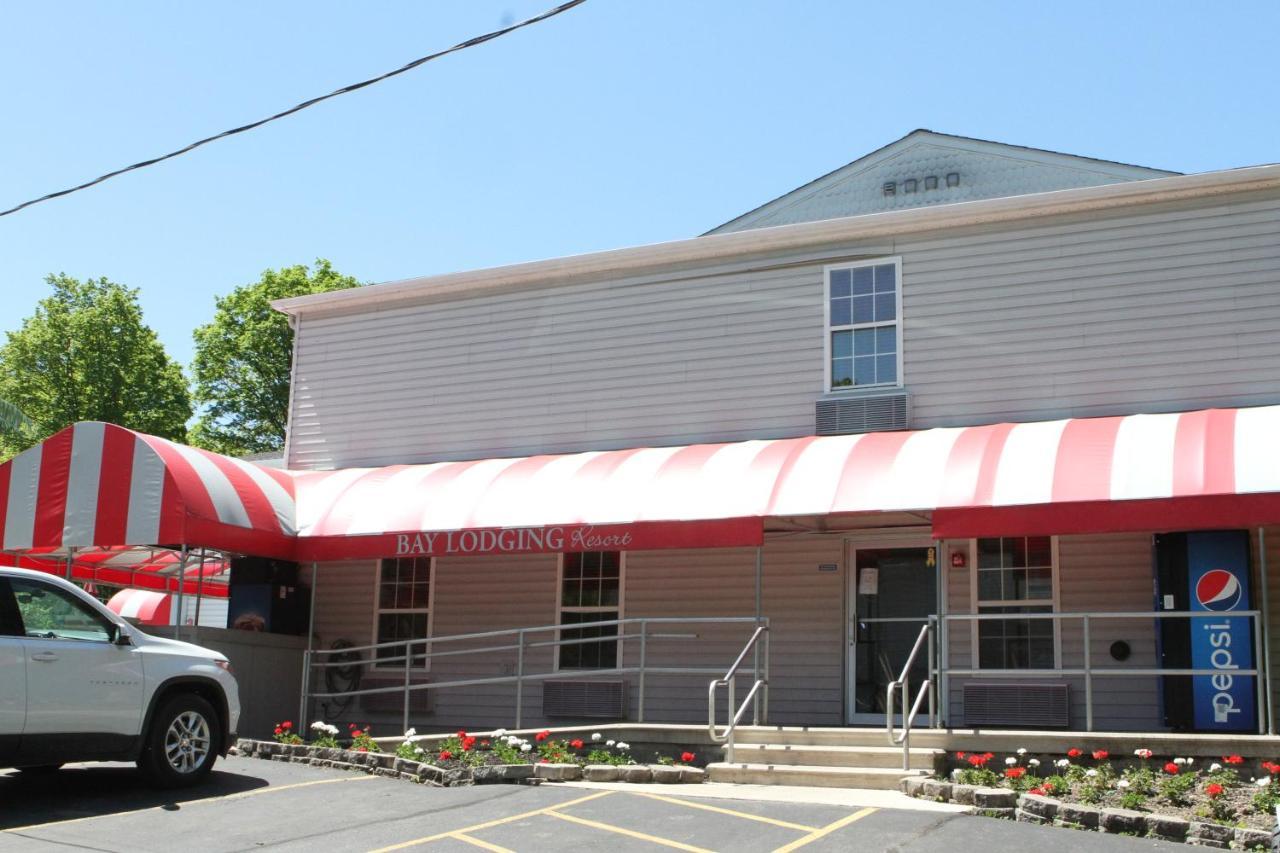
pixel 903 683
pixel 757 696
pixel 415 653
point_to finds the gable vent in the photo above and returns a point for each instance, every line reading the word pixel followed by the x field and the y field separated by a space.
pixel 877 413
pixel 1031 705
pixel 585 699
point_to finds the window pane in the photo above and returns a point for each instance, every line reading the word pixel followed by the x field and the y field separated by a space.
pixel 886 278
pixel 864 341
pixel 864 371
pixel 887 368
pixel 1018 548
pixel 840 312
pixel 886 339
pixel 988 553
pixel 609 591
pixel 862 309
pixel 572 566
pixel 840 280
pixel 989 588
pixel 1040 583
pixel 50 612
pixel 886 307
pixel 602 655
pixel 862 278
pixel 1038 551
pixel 421 596
pixel 841 372
pixel 842 343
pixel 387 596
pixel 571 595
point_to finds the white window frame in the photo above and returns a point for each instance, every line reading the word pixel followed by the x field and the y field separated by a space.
pixel 828 329
pixel 1053 603
pixel 561 609
pixel 378 610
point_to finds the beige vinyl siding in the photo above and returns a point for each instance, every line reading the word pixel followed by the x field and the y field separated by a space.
pixel 1109 572
pixel 1161 308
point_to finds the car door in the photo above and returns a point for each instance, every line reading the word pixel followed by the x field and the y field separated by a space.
pixel 84 692
pixel 13 675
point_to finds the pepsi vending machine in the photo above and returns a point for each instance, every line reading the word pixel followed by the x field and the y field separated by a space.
pixel 1206 572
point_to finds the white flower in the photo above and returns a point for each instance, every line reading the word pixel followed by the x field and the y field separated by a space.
pixel 1062 762
pixel 1179 761
pixel 1191 761
pixel 1034 762
pixel 500 733
pixel 622 745
pixel 318 724
pixel 1022 752
pixel 1123 783
pixel 608 743
pixel 595 737
pixel 1263 782
pixel 1011 761
pixel 524 747
pixel 1091 772
pixel 1215 767
pixel 411 733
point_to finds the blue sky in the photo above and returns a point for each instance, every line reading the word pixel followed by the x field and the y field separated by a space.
pixel 618 123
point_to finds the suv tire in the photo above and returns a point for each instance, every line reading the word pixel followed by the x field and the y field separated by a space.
pixel 181 745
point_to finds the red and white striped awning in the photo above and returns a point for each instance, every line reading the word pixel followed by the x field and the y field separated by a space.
pixel 147 607
pixel 1181 471
pixel 95 484
pixel 138 567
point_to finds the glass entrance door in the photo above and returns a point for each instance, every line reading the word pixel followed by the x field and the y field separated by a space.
pixel 892 593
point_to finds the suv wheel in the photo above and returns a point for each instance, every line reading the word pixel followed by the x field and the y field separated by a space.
pixel 181 744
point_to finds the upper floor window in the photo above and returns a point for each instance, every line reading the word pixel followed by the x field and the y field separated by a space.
pixel 864 332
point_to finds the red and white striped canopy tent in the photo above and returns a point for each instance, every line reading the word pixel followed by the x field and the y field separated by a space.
pixel 147 607
pixel 95 484
pixel 141 568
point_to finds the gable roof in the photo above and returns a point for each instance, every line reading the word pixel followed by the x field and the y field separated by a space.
pixel 984 169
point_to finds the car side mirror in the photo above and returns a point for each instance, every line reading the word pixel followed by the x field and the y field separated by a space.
pixel 122 638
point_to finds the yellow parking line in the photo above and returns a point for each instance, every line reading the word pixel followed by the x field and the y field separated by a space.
pixel 484 845
pixel 785 824
pixel 187 803
pixel 826 830
pixel 652 839
pixel 499 822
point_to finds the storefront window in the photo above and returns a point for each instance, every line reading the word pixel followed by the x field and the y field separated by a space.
pixel 590 591
pixel 1016 575
pixel 404 607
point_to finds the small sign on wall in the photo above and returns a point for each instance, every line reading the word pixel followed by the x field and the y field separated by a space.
pixel 869 581
pixel 828 567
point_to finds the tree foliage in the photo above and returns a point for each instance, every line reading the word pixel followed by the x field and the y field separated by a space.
pixel 86 355
pixel 244 359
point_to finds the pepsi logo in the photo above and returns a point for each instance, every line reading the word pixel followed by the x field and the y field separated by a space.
pixel 1219 589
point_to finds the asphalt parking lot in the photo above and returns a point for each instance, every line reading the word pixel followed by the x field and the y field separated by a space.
pixel 258 805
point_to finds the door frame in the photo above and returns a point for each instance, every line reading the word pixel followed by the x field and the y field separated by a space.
pixel 914 537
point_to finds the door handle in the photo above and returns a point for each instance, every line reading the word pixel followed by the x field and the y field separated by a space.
pixel 44 657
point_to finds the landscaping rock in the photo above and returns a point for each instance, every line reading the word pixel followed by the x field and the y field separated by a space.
pixel 1167 827
pixel 429 774
pixel 693 775
pixel 557 772
pixel 635 773
pixel 456 778
pixel 1253 839
pixel 913 786
pixel 937 790
pixel 385 760
pixel 266 749
pixel 963 794
pixel 1211 835
pixel 405 765
pixel 665 774
pixel 1123 821
pixel 1023 816
pixel 247 747
pixel 1075 814
pixel 994 798
pixel 601 773
pixel 299 750
pixel 1042 807
pixel 516 772
pixel 1003 814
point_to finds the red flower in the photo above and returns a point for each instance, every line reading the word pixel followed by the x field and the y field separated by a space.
pixel 462 734
pixel 542 735
pixel 576 743
pixel 1213 789
pixel 1143 753
pixel 960 756
pixel 286 725
pixel 1271 767
pixel 1171 769
pixel 1038 791
pixel 363 749
pixel 1015 772
pixel 279 730
pixel 484 744
pixel 356 733
pixel 1100 755
pixel 1232 759
pixel 467 743
pixel 351 727
pixel 978 760
pixel 687 757
pixel 445 755
pixel 1074 753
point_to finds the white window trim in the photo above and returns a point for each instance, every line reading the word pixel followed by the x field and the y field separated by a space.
pixel 379 610
pixel 560 609
pixel 827 328
pixel 975 605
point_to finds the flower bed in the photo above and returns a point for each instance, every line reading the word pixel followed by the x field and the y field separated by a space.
pixel 464 759
pixel 1213 803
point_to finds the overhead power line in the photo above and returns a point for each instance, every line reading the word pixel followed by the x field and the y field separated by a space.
pixel 471 42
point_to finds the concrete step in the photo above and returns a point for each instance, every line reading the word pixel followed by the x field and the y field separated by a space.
pixel 882 778
pixel 833 756
pixel 800 735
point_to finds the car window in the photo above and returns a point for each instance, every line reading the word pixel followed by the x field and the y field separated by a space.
pixel 51 613
pixel 10 624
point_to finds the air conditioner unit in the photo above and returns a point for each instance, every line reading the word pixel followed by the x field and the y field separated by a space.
pixel 1012 704
pixel 587 698
pixel 862 413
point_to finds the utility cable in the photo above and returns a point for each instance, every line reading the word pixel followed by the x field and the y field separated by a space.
pixel 471 42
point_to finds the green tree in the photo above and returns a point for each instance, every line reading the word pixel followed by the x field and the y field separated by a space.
pixel 244 359
pixel 87 355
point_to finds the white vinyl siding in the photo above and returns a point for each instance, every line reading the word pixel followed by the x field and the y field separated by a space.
pixel 1150 309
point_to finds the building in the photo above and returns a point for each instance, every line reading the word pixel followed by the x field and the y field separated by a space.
pixel 956 394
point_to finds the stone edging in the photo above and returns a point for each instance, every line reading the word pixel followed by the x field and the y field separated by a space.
pixel 1031 808
pixel 392 766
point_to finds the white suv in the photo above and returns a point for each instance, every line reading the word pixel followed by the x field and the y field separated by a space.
pixel 78 683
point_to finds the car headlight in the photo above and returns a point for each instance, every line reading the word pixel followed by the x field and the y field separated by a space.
pixel 225 666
